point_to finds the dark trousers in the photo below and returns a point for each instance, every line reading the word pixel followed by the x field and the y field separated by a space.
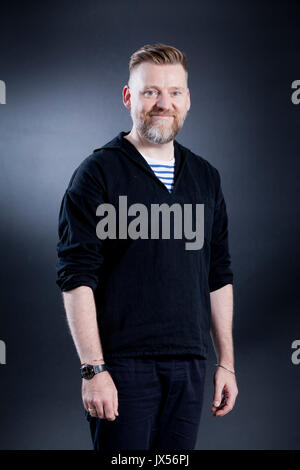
pixel 160 401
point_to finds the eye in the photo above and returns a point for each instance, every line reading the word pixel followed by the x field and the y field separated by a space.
pixel 149 92
pixel 178 93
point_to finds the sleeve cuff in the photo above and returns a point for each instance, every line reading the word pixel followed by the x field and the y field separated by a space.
pixel 219 283
pixel 74 281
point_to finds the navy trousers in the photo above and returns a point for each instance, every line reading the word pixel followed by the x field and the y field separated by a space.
pixel 160 401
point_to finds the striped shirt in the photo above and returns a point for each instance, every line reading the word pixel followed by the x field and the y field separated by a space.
pixel 163 170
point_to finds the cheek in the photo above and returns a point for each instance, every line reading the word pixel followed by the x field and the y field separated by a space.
pixel 148 106
pixel 182 111
pixel 138 111
pixel 143 108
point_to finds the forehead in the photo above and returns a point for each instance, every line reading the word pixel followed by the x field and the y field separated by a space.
pixel 164 75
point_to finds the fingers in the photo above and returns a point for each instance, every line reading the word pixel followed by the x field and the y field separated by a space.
pixel 94 408
pixel 227 403
pixel 109 410
pixel 93 412
pixel 105 409
pixel 225 407
pixel 98 407
pixel 100 400
pixel 115 404
pixel 222 403
pixel 218 395
pixel 225 393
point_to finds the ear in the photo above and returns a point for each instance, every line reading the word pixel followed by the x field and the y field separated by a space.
pixel 188 99
pixel 126 97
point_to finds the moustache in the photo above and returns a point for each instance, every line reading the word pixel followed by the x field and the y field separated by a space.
pixel 159 114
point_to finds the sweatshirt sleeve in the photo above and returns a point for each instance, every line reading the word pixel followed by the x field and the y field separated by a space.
pixel 79 250
pixel 220 272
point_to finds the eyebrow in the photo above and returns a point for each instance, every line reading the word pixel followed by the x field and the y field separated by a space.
pixel 171 87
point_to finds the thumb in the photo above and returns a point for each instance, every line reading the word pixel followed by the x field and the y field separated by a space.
pixel 218 395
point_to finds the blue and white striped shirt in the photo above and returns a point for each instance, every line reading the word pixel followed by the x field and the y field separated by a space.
pixel 163 170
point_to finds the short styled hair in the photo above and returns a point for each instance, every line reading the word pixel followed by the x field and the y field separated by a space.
pixel 157 54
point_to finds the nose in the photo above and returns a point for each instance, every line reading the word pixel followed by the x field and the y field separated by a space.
pixel 163 101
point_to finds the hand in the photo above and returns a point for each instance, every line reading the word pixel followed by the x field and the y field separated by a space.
pixel 226 392
pixel 101 394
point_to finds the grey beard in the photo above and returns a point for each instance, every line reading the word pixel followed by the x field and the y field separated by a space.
pixel 154 134
pixel 157 137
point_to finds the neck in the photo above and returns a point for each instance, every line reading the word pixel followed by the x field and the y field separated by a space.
pixel 157 151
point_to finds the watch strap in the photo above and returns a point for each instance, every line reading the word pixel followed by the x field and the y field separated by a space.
pixel 99 368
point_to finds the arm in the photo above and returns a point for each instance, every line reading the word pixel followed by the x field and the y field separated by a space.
pixel 221 334
pixel 80 256
pixel 100 392
pixel 221 325
pixel 221 300
pixel 82 319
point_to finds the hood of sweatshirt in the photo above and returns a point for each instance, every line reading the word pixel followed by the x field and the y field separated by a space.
pixel 131 152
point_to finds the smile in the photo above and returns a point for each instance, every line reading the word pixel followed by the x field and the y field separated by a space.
pixel 157 116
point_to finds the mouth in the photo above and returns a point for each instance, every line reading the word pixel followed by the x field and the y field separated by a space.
pixel 161 116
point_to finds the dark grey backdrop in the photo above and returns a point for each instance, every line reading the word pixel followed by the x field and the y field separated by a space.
pixel 64 64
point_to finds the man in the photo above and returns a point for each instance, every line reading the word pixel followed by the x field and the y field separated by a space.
pixel 141 301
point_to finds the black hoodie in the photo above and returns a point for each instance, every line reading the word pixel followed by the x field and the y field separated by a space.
pixel 151 294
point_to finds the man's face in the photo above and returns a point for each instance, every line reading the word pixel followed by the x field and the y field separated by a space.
pixel 158 99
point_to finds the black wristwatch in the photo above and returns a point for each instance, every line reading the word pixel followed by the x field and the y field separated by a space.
pixel 88 371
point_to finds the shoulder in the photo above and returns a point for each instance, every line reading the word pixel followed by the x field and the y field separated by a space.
pixel 87 178
pixel 95 171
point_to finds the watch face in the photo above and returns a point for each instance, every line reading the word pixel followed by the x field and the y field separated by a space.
pixel 87 372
